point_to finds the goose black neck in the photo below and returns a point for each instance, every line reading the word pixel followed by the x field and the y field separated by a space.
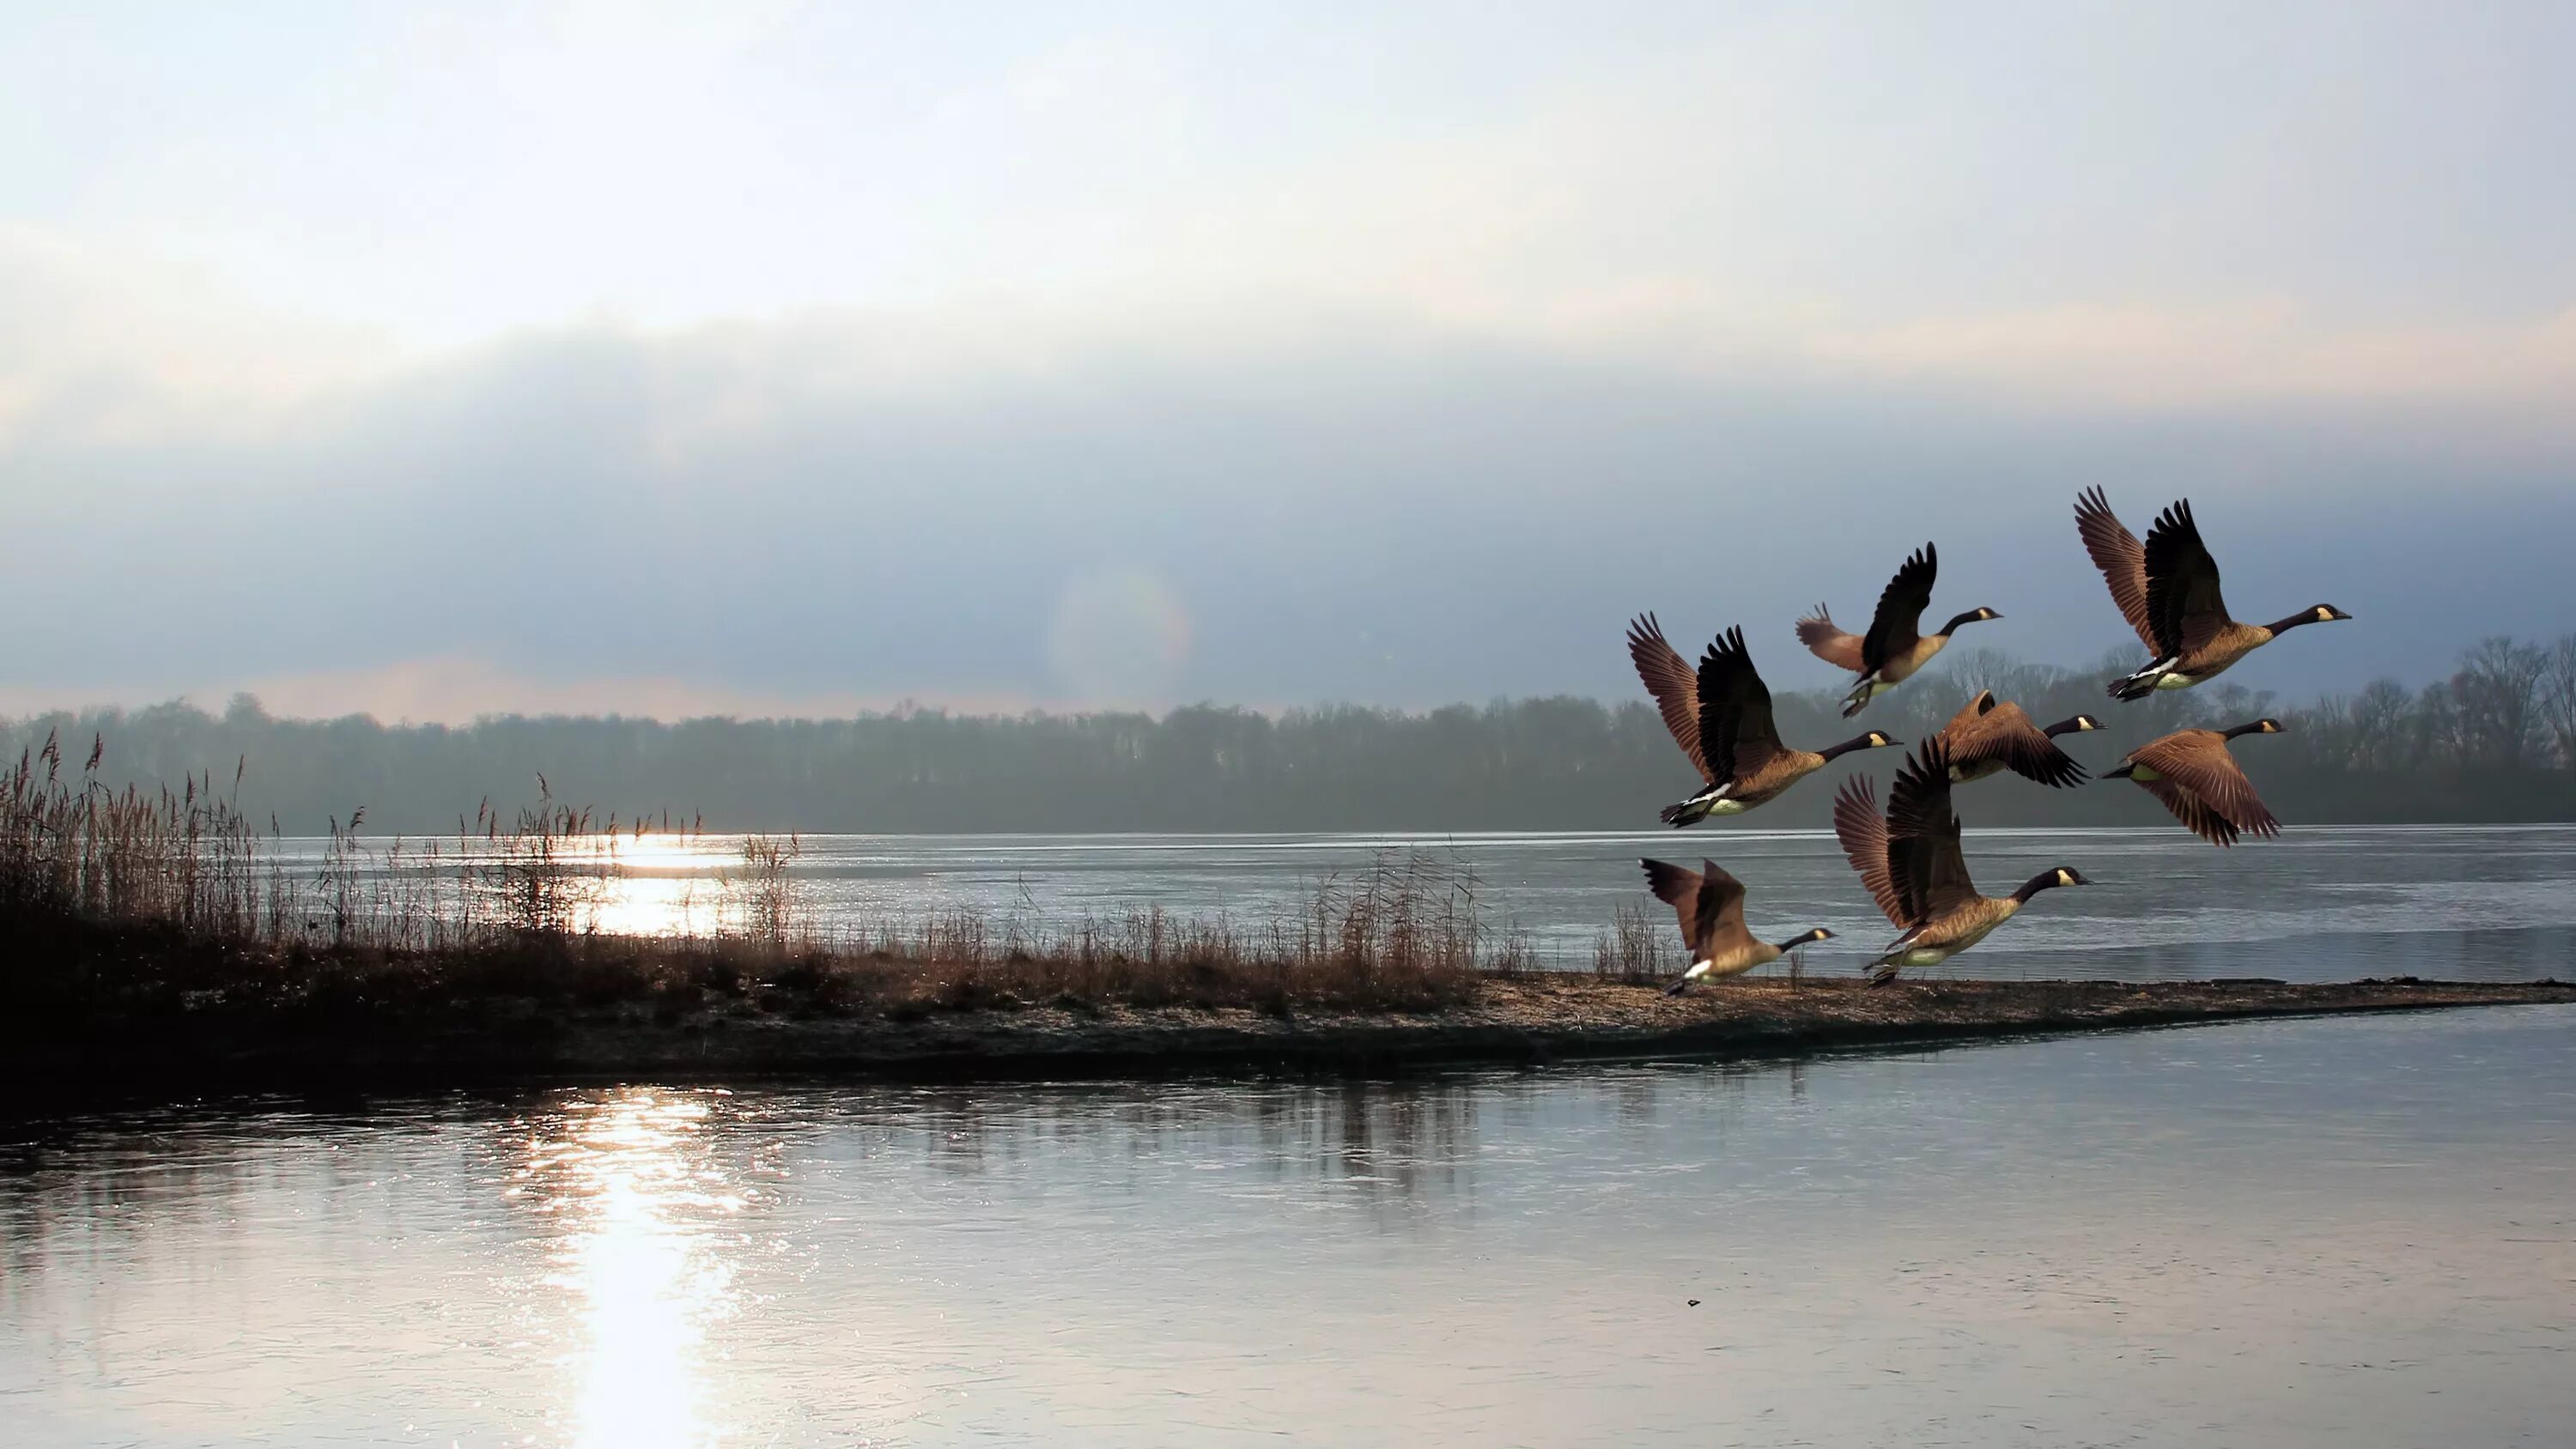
pixel 1802 938
pixel 2253 728
pixel 2284 626
pixel 2045 880
pixel 2068 725
pixel 1856 742
pixel 1971 617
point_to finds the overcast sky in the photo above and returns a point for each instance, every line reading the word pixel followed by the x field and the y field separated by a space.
pixel 784 357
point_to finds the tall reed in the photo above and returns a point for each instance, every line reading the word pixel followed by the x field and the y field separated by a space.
pixel 521 904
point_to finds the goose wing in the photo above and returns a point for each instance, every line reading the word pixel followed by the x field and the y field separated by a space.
pixel 1924 860
pixel 1828 642
pixel 1966 721
pixel 1898 624
pixel 2004 732
pixel 1862 833
pixel 2183 602
pixel 2121 558
pixel 1721 912
pixel 2192 811
pixel 1669 679
pixel 2199 762
pixel 1678 887
pixel 1736 733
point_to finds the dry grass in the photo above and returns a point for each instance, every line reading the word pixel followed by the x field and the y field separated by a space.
pixel 121 902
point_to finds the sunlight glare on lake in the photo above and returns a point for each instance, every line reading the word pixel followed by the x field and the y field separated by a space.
pixel 634 1185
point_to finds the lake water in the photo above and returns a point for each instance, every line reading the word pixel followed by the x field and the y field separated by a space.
pixel 2491 903
pixel 2332 1232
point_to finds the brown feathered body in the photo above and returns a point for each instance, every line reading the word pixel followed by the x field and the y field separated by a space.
pixel 1895 649
pixel 1987 737
pixel 2167 589
pixel 1720 715
pixel 1709 904
pixel 2194 775
pixel 1911 862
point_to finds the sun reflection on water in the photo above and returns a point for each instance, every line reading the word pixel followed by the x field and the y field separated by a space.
pixel 640 1193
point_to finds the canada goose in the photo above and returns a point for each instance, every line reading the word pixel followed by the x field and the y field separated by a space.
pixel 1893 649
pixel 1710 905
pixel 2167 588
pixel 1913 867
pixel 1722 718
pixel 2192 774
pixel 1986 737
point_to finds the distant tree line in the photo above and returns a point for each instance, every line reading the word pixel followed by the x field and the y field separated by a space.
pixel 2495 742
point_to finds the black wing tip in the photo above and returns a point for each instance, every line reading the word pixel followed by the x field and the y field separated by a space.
pixel 2062 773
pixel 1931 757
pixel 1659 872
pixel 2177 518
pixel 1727 650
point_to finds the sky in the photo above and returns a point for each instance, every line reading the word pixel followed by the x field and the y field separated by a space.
pixel 795 358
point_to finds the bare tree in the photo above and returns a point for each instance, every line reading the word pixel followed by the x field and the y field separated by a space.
pixel 2380 737
pixel 2496 693
pixel 2558 699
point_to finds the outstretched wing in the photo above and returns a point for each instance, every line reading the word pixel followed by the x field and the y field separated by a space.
pixel 1863 836
pixel 1669 679
pixel 2004 733
pixel 2199 761
pixel 2121 558
pixel 2192 811
pixel 1721 912
pixel 1829 643
pixel 1736 734
pixel 1924 860
pixel 1898 624
pixel 2183 602
pixel 1967 717
pixel 1679 888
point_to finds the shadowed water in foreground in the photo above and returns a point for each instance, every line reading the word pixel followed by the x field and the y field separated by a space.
pixel 2327 1231
pixel 2310 1232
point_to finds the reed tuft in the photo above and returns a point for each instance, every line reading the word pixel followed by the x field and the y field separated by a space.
pixel 124 902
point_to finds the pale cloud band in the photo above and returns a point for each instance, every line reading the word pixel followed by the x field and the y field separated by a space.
pixel 891 334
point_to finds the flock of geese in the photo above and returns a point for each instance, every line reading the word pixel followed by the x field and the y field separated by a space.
pixel 1909 856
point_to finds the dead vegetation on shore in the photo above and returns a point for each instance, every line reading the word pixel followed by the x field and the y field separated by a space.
pixel 123 902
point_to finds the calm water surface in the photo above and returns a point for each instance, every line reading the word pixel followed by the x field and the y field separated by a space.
pixel 2328 1232
pixel 2492 903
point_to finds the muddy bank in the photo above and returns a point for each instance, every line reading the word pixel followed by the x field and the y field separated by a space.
pixel 1516 1022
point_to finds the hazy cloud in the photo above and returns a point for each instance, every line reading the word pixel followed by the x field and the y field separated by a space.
pixel 816 356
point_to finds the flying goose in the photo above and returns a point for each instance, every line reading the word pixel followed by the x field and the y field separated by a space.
pixel 2167 588
pixel 2192 774
pixel 1894 648
pixel 1986 737
pixel 1710 905
pixel 1722 718
pixel 1913 868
